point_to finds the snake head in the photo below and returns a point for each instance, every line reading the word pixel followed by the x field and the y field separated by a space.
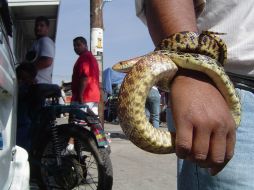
pixel 126 65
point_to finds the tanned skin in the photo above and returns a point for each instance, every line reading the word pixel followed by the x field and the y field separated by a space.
pixel 205 129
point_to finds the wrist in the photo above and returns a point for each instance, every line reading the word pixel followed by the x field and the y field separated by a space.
pixel 206 43
pixel 184 75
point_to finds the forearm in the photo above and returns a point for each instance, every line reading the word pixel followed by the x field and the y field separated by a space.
pixel 166 17
pixel 81 89
pixel 44 62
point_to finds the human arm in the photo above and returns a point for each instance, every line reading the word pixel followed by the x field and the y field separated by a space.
pixel 163 20
pixel 43 62
pixel 46 53
pixel 81 88
pixel 82 73
pixel 205 129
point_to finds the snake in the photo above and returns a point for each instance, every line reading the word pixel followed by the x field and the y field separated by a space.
pixel 204 53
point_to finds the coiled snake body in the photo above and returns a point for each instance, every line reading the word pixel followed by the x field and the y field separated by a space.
pixel 158 68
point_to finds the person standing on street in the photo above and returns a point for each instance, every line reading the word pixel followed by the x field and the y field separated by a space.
pixel 37 68
pixel 85 77
pixel 85 83
pixel 152 107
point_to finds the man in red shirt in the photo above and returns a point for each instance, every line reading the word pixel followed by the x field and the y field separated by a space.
pixel 85 83
pixel 85 77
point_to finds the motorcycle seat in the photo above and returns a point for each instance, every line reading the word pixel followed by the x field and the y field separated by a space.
pixel 43 91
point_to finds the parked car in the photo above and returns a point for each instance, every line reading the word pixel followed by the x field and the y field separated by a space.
pixel 14 166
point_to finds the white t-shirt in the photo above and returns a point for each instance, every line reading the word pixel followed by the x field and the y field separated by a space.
pixel 44 46
pixel 233 17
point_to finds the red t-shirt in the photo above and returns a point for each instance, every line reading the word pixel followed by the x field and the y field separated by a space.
pixel 86 66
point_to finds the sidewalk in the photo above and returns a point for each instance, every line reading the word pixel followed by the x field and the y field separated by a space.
pixel 135 169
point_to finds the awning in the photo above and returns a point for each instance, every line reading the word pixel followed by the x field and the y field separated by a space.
pixel 25 11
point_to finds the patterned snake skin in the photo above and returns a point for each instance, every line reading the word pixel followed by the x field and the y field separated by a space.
pixel 187 50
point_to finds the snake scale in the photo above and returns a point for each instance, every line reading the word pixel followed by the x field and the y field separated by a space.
pixel 205 52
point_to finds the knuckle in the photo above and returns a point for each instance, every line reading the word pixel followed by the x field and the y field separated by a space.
pixel 229 156
pixel 200 156
pixel 218 124
pixel 232 125
pixel 220 128
pixel 223 126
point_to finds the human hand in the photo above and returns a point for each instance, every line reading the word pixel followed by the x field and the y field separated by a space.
pixel 205 129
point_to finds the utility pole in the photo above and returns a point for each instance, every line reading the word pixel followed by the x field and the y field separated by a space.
pixel 96 44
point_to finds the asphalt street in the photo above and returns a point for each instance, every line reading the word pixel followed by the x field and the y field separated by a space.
pixel 135 169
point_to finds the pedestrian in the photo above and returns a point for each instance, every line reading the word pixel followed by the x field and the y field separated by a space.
pixel 212 153
pixel 42 51
pixel 152 107
pixel 85 77
pixel 38 64
pixel 85 82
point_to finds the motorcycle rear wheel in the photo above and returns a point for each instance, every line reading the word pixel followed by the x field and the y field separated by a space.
pixel 90 168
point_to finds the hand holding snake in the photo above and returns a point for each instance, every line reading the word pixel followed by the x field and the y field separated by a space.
pixel 192 109
pixel 203 116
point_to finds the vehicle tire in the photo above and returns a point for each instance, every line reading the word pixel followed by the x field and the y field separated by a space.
pixel 89 168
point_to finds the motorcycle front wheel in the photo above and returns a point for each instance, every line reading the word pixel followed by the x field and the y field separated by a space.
pixel 87 167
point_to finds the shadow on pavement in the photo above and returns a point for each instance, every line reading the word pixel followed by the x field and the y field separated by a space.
pixel 118 135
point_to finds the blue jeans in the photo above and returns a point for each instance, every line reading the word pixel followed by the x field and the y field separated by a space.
pixel 238 173
pixel 152 107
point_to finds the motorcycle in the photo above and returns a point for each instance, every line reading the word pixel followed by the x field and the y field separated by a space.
pixel 89 167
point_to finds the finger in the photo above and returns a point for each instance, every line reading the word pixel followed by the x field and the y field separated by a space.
pixel 200 147
pixel 231 139
pixel 230 145
pixel 218 145
pixel 215 170
pixel 184 131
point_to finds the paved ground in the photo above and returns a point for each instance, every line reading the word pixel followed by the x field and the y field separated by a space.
pixel 136 169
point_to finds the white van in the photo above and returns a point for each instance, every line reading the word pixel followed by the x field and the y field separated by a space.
pixel 14 166
pixel 16 35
